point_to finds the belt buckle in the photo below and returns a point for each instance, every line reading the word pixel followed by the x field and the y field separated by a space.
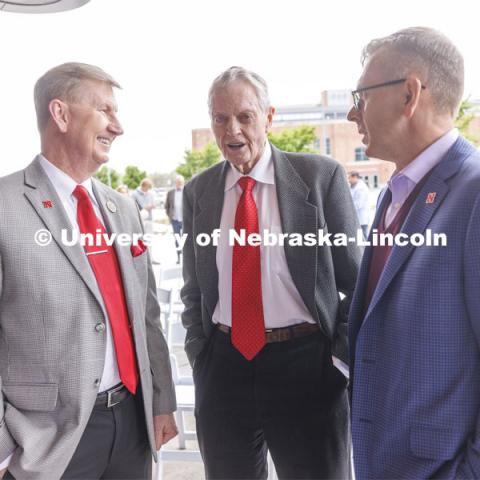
pixel 110 402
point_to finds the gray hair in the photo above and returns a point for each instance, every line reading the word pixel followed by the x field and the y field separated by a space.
pixel 64 82
pixel 430 54
pixel 234 74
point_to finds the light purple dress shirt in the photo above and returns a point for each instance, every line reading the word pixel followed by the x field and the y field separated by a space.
pixel 403 182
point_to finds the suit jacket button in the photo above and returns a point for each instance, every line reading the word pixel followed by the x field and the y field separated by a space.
pixel 97 382
pixel 100 327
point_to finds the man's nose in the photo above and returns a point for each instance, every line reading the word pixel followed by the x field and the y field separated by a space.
pixel 116 127
pixel 233 126
pixel 352 115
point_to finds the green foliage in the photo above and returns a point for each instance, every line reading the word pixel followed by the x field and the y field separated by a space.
pixel 103 176
pixel 298 139
pixel 464 118
pixel 195 161
pixel 133 176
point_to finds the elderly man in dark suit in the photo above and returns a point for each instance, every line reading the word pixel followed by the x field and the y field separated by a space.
pixel 262 321
pixel 85 375
pixel 414 323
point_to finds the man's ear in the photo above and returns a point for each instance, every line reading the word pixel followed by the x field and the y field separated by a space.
pixel 412 91
pixel 270 113
pixel 60 114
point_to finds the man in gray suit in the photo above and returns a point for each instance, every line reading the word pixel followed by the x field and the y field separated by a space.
pixel 84 369
pixel 263 321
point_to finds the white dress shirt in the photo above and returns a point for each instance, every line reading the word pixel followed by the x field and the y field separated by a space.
pixel 64 186
pixel 282 304
pixel 178 204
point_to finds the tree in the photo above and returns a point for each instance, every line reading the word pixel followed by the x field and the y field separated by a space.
pixel 464 118
pixel 298 139
pixel 108 176
pixel 195 161
pixel 133 176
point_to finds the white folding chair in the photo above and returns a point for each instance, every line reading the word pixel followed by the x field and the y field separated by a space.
pixel 176 333
pixel 170 273
pixel 177 378
pixel 185 393
pixel 165 299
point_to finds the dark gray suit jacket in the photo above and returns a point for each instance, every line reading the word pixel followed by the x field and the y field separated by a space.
pixel 312 194
pixel 170 204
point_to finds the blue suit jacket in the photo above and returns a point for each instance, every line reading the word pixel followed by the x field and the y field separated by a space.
pixel 415 354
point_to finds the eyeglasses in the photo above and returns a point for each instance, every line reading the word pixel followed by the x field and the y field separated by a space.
pixel 357 101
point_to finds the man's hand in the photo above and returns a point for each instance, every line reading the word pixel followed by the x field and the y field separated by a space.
pixel 165 429
pixel 3 472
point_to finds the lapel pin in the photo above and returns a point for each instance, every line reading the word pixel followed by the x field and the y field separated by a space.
pixel 111 206
pixel 47 204
pixel 431 197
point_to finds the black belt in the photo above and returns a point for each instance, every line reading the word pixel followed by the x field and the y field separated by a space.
pixel 281 334
pixel 112 397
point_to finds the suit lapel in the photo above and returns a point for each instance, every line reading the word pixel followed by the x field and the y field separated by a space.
pixel 37 189
pixel 421 213
pixel 355 317
pixel 297 216
pixel 208 219
pixel 114 224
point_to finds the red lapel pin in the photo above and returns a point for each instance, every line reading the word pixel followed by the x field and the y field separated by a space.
pixel 431 197
pixel 47 204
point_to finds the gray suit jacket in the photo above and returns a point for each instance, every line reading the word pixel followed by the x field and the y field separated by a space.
pixel 312 195
pixel 51 355
pixel 170 204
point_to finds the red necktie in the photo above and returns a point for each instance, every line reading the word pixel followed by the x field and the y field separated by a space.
pixel 248 326
pixel 104 263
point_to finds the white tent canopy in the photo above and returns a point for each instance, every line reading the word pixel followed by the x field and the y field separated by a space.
pixel 40 6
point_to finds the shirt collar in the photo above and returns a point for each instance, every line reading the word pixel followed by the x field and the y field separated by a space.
pixel 63 183
pixel 262 172
pixel 428 159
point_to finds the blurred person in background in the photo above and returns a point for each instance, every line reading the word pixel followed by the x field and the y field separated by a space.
pixel 145 199
pixel 360 197
pixel 174 209
pixel 123 189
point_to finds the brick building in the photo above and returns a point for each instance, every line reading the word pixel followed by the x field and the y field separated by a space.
pixel 335 135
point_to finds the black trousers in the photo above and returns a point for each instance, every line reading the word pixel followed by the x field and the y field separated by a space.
pixel 113 446
pixel 289 399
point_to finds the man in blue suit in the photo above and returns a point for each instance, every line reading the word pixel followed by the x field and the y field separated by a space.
pixel 414 325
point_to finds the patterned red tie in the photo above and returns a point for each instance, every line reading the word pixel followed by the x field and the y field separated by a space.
pixel 104 263
pixel 248 326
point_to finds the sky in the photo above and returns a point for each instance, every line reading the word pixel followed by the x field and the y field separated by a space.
pixel 165 55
